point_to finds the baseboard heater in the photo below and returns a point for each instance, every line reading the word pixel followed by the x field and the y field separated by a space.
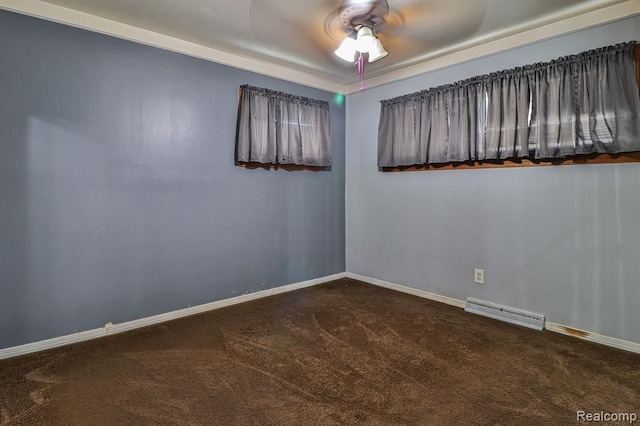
pixel 504 313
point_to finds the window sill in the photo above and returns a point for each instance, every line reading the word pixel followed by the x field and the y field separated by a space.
pixel 627 157
pixel 290 167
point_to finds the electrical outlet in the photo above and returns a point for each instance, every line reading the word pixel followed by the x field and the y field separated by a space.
pixel 478 277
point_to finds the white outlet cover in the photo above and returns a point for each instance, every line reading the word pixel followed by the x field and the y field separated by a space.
pixel 478 277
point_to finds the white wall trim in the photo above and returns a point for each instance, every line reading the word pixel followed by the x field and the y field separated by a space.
pixel 410 290
pixel 475 48
pixel 551 326
pixel 593 337
pixel 470 50
pixel 110 328
pixel 74 18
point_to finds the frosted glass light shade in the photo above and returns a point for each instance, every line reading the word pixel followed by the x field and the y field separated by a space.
pixel 365 40
pixel 347 50
pixel 378 51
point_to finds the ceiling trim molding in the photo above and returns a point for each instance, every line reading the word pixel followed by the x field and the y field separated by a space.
pixel 470 50
pixel 474 50
pixel 74 18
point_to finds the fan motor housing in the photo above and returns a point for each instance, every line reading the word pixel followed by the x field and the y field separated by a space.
pixel 354 14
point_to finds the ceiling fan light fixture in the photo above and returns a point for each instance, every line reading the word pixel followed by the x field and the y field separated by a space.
pixel 377 51
pixel 347 49
pixel 365 40
pixel 361 18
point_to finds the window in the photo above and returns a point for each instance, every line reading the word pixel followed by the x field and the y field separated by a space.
pixel 577 108
pixel 279 129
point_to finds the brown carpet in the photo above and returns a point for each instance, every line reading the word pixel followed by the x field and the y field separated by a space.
pixel 339 353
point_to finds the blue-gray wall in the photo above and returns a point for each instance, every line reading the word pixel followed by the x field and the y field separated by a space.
pixel 119 198
pixel 563 241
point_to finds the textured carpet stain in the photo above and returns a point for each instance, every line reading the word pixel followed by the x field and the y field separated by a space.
pixel 277 379
pixel 44 383
pixel 340 353
pixel 4 417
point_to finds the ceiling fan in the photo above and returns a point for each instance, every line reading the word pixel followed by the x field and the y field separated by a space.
pixel 362 19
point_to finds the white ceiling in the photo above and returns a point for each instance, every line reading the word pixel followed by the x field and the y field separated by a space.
pixel 301 35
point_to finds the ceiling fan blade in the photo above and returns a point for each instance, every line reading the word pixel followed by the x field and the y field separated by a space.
pixel 299 31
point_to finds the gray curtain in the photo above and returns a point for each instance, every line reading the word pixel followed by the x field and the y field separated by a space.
pixel 466 123
pixel 577 104
pixel 403 128
pixel 506 125
pixel 437 125
pixel 279 128
pixel 609 115
pixel 553 112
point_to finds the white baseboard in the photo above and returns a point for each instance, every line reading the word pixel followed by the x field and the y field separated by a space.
pixel 421 293
pixel 51 343
pixel 593 337
pixel 551 326
pixel 110 329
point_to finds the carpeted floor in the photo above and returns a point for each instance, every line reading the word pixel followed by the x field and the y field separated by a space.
pixel 339 353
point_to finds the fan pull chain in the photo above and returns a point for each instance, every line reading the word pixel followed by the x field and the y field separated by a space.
pixel 361 71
